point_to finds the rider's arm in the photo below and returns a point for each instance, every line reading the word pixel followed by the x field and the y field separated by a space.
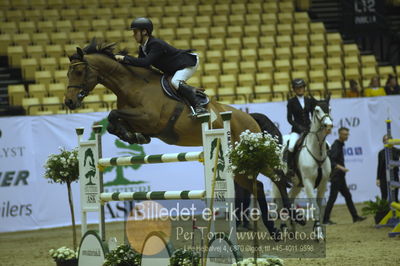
pixel 155 52
pixel 334 155
pixel 291 121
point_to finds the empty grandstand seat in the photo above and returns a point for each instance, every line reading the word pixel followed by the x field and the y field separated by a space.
pixel 250 42
pixel 210 82
pixel 60 76
pixel 31 105
pixel 48 64
pixel 334 62
pixel 264 78
pixel 247 66
pixel 265 66
pixel 29 67
pixel 57 90
pixel 228 80
pixel 212 68
pixel 230 67
pixel 266 53
pixel 52 104
pixel 43 77
pixel 334 75
pixel 248 54
pixel 281 77
pixel 282 65
pixel 368 61
pixel 232 55
pixel 317 75
pixel 15 94
pixel 15 54
pixel 317 63
pixel 300 64
pixel 302 74
pixel 350 49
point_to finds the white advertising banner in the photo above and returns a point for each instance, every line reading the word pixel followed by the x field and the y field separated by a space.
pixel 28 201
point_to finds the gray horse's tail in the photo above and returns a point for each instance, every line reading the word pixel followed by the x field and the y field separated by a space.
pixel 267 125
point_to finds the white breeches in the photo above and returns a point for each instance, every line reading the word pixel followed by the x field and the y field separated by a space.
pixel 293 137
pixel 184 74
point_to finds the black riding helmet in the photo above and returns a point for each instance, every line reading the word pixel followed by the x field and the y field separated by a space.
pixel 142 24
pixel 297 83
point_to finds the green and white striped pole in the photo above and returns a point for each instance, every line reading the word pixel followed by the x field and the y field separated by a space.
pixel 150 159
pixel 154 195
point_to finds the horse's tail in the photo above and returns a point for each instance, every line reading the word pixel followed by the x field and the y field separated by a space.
pixel 267 125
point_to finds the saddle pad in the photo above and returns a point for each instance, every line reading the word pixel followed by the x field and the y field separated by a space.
pixel 173 94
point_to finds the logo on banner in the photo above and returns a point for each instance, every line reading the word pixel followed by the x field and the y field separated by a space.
pixel 350 122
pixel 353 151
pixel 120 182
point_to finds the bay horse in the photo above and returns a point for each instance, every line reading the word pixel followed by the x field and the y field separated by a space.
pixel 313 166
pixel 144 111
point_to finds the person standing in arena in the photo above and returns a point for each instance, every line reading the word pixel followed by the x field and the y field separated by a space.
pixel 338 180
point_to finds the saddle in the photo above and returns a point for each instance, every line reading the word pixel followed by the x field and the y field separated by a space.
pixel 172 93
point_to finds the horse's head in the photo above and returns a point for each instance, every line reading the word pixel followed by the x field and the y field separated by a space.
pixel 82 78
pixel 88 67
pixel 321 115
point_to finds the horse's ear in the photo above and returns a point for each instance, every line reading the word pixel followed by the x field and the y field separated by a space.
pixel 328 98
pixel 80 52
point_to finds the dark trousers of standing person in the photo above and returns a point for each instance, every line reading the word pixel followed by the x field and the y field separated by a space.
pixel 242 203
pixel 338 184
pixel 384 190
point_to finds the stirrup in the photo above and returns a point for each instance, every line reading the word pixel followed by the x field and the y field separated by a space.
pixel 200 110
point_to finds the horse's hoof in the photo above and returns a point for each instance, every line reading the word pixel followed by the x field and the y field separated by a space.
pixel 141 139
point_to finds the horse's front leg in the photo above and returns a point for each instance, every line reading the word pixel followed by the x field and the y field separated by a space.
pixel 316 209
pixel 120 124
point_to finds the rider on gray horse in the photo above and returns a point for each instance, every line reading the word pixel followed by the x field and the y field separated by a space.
pixel 180 64
pixel 299 110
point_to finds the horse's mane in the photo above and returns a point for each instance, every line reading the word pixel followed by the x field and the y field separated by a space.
pixel 101 47
pixel 97 47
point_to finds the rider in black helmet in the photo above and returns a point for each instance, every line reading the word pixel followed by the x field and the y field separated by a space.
pixel 180 64
pixel 299 110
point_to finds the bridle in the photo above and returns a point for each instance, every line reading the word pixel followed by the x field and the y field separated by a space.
pixel 320 141
pixel 83 86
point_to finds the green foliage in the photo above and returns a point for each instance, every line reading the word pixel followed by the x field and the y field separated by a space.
pixel 373 207
pixel 182 257
pixel 123 256
pixel 255 152
pixel 62 167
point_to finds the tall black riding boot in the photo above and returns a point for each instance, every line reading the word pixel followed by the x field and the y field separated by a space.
pixel 189 93
pixel 290 164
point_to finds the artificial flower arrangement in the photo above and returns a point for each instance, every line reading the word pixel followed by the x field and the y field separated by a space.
pixel 64 255
pixel 255 152
pixel 260 262
pixel 64 168
pixel 183 257
pixel 123 255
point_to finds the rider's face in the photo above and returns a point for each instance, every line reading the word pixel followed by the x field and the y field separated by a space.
pixel 137 35
pixel 344 135
pixel 299 90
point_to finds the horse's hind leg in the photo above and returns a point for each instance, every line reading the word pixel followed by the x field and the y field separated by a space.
pixel 247 184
